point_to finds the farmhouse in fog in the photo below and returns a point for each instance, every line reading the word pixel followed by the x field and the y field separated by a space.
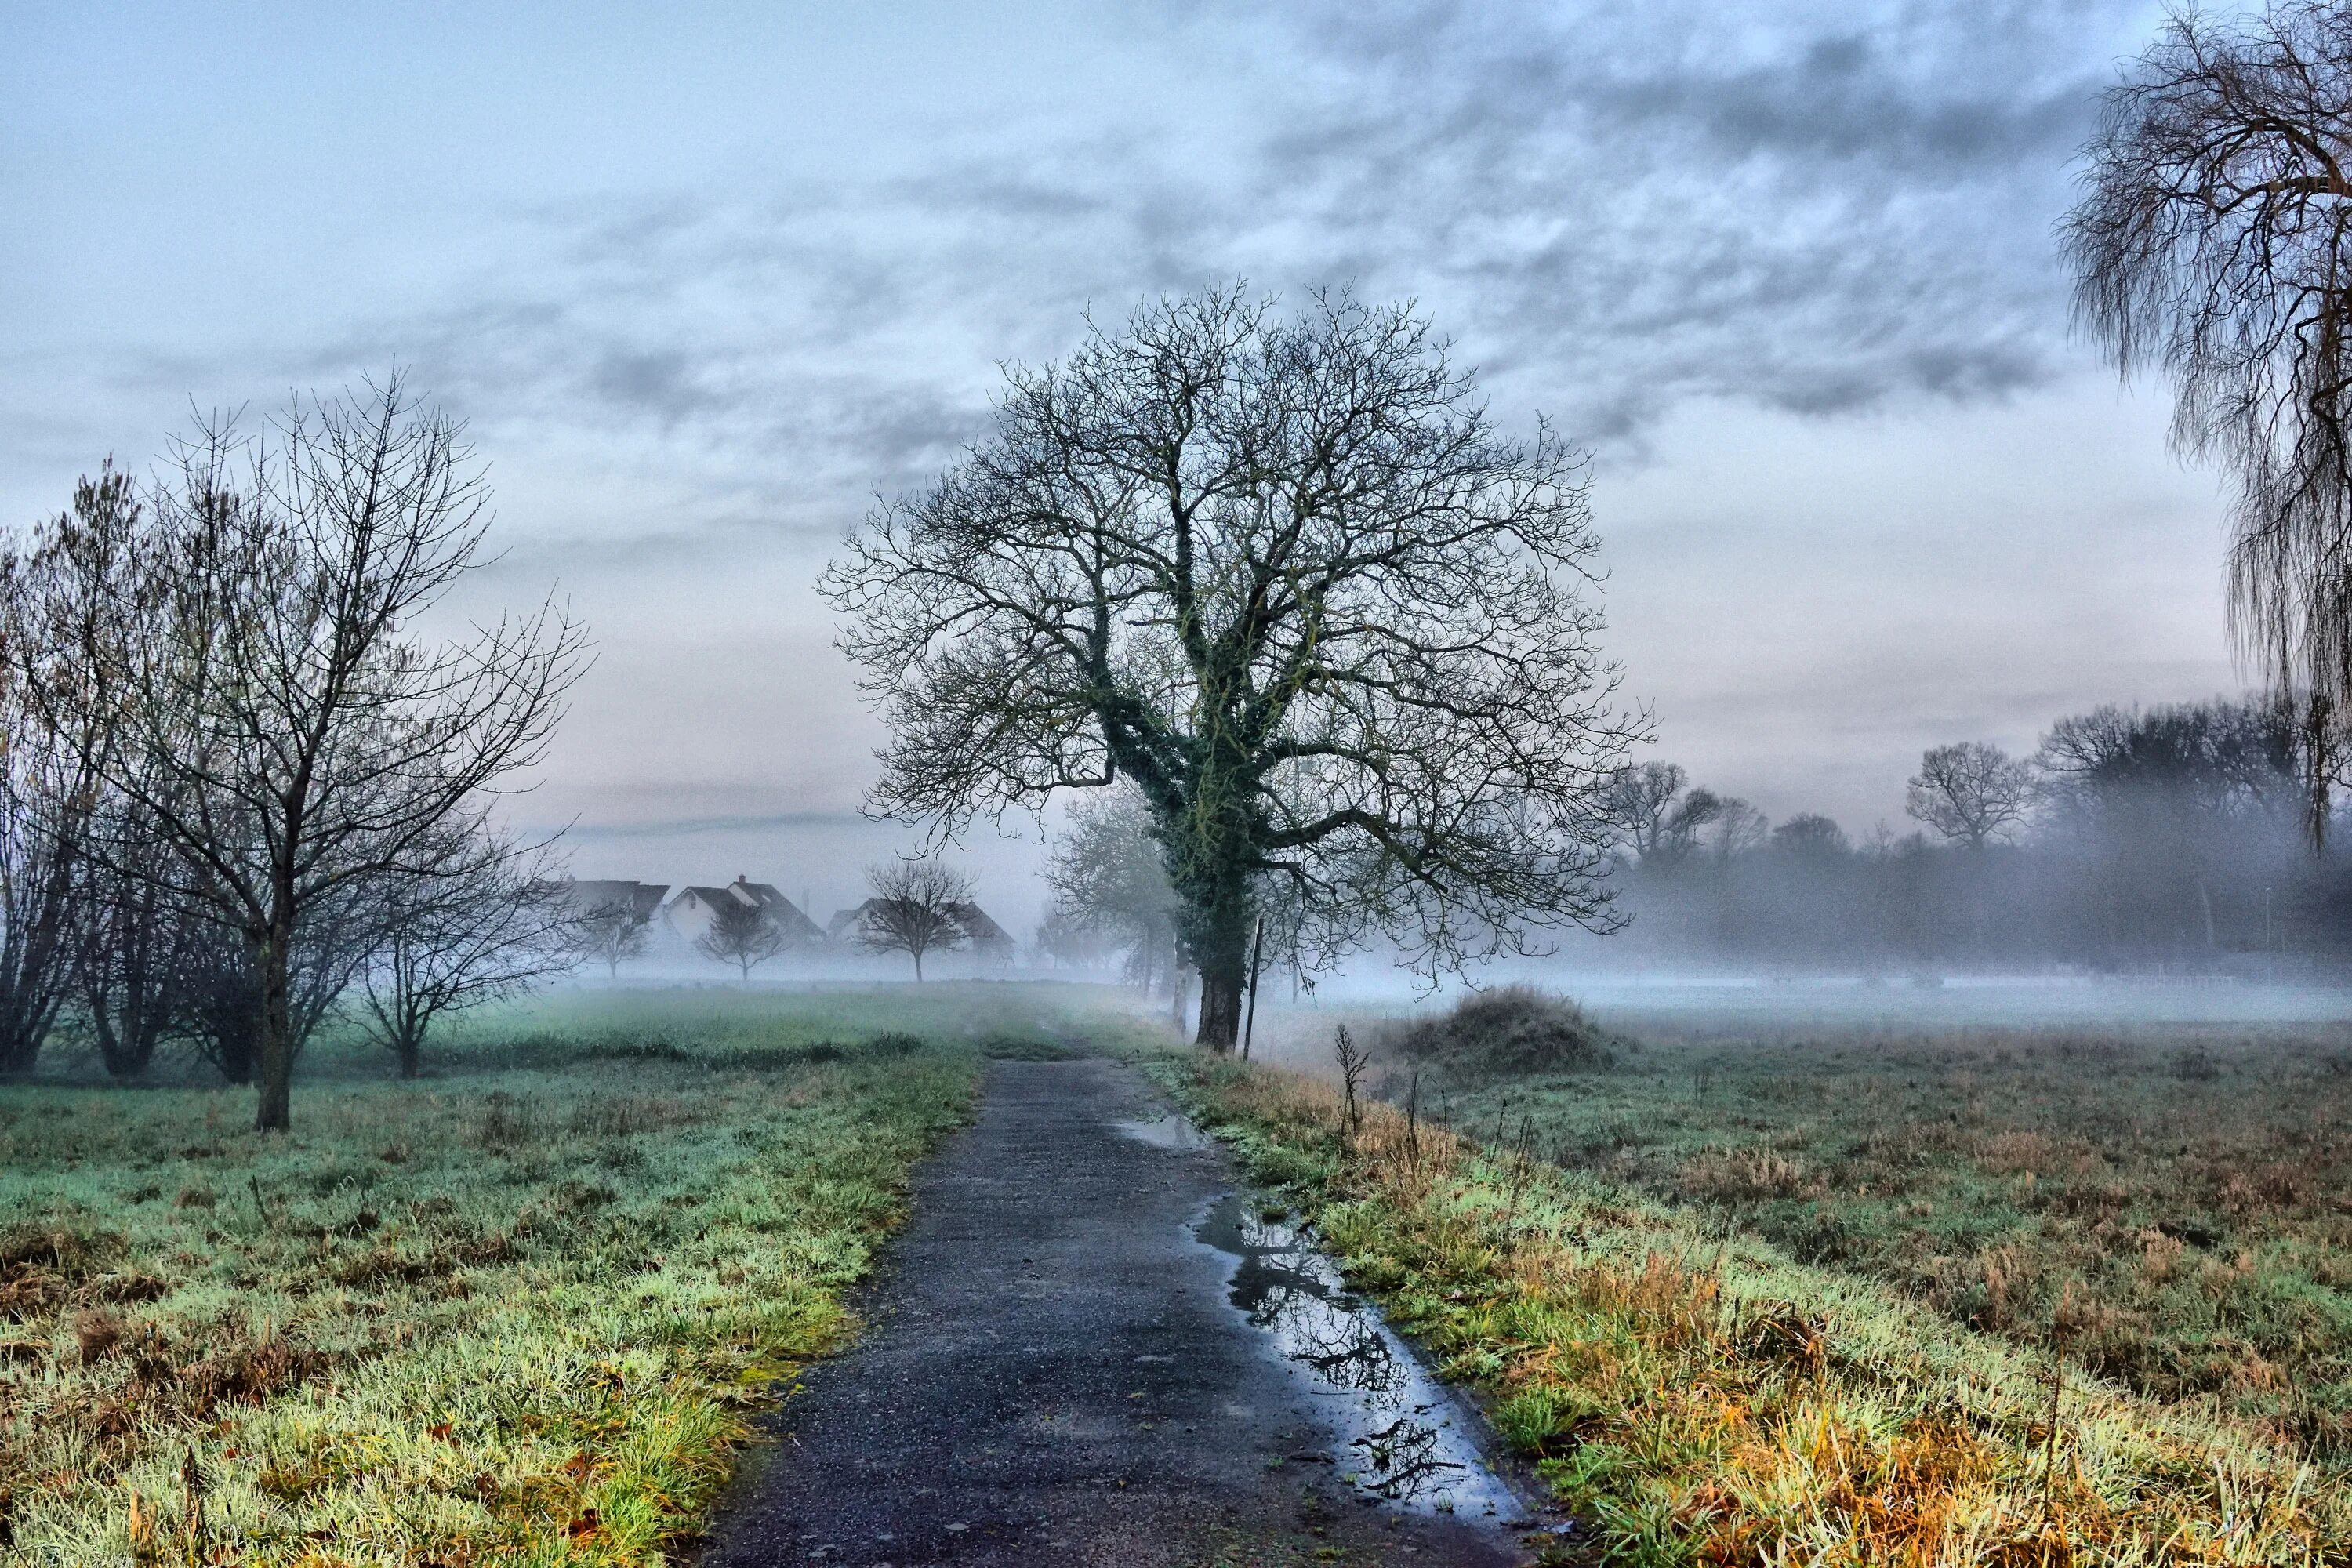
pixel 643 900
pixel 692 912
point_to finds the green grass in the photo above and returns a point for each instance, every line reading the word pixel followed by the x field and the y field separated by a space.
pixel 1698 1395
pixel 2176 1199
pixel 521 1310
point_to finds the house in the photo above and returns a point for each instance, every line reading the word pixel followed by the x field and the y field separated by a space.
pixel 991 943
pixel 692 912
pixel 642 900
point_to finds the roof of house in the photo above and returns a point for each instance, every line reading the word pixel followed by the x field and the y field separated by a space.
pixel 641 899
pixel 782 909
pixel 977 925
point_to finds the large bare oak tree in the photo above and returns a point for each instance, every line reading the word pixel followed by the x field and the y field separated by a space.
pixel 2214 241
pixel 1284 574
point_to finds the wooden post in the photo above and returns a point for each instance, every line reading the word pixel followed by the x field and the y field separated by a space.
pixel 1257 954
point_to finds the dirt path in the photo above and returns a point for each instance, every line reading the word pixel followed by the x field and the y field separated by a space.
pixel 1056 1371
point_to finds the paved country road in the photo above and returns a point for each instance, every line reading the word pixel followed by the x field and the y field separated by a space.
pixel 1056 1371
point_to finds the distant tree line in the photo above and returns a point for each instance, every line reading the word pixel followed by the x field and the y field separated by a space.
pixel 2174 834
pixel 241 788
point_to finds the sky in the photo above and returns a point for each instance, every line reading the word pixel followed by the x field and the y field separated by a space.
pixel 706 280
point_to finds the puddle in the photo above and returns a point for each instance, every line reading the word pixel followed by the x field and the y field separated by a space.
pixel 1399 1436
pixel 1166 1132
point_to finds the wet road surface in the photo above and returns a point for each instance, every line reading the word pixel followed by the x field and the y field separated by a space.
pixel 1086 1351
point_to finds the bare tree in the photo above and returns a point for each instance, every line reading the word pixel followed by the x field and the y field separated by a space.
pixel 290 732
pixel 52 757
pixel 1972 793
pixel 1810 836
pixel 1684 824
pixel 1107 874
pixel 41 884
pixel 218 987
pixel 743 933
pixel 1734 828
pixel 140 940
pixel 610 933
pixel 2213 241
pixel 1285 577
pixel 916 908
pixel 1642 799
pixel 487 922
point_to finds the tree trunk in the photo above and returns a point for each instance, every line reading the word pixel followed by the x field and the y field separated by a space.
pixel 276 1045
pixel 411 1051
pixel 1219 942
pixel 1220 1007
pixel 919 965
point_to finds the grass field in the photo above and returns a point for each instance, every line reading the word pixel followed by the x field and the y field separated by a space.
pixel 1751 1294
pixel 2174 1201
pixel 1686 1291
pixel 521 1310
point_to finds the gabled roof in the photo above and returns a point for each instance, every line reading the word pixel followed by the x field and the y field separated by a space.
pixel 640 898
pixel 786 914
pixel 976 924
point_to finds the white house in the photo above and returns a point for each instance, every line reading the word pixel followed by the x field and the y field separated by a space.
pixel 691 913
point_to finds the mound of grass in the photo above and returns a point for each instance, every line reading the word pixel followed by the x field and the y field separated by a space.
pixel 1698 1398
pixel 520 1312
pixel 1511 1031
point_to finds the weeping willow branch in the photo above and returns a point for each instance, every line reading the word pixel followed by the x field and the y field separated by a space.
pixel 2211 244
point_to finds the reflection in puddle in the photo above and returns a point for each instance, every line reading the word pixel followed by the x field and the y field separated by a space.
pixel 1398 1437
pixel 1166 1132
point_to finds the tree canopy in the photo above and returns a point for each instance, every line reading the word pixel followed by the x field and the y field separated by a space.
pixel 1284 575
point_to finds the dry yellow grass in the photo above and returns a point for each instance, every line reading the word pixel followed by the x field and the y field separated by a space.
pixel 1701 1399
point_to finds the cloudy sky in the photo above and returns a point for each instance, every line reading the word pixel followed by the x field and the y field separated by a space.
pixel 707 277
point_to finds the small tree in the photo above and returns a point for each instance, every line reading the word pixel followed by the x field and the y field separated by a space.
pixel 133 968
pixel 1641 801
pixel 608 933
pixel 484 923
pixel 52 757
pixel 1972 793
pixel 916 908
pixel 1106 875
pixel 743 934
pixel 217 988
pixel 1810 836
pixel 1734 828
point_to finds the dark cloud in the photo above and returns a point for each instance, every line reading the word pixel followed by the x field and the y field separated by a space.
pixel 1816 209
pixel 1824 209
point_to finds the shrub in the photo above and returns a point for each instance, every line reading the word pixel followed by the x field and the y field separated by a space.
pixel 1510 1031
